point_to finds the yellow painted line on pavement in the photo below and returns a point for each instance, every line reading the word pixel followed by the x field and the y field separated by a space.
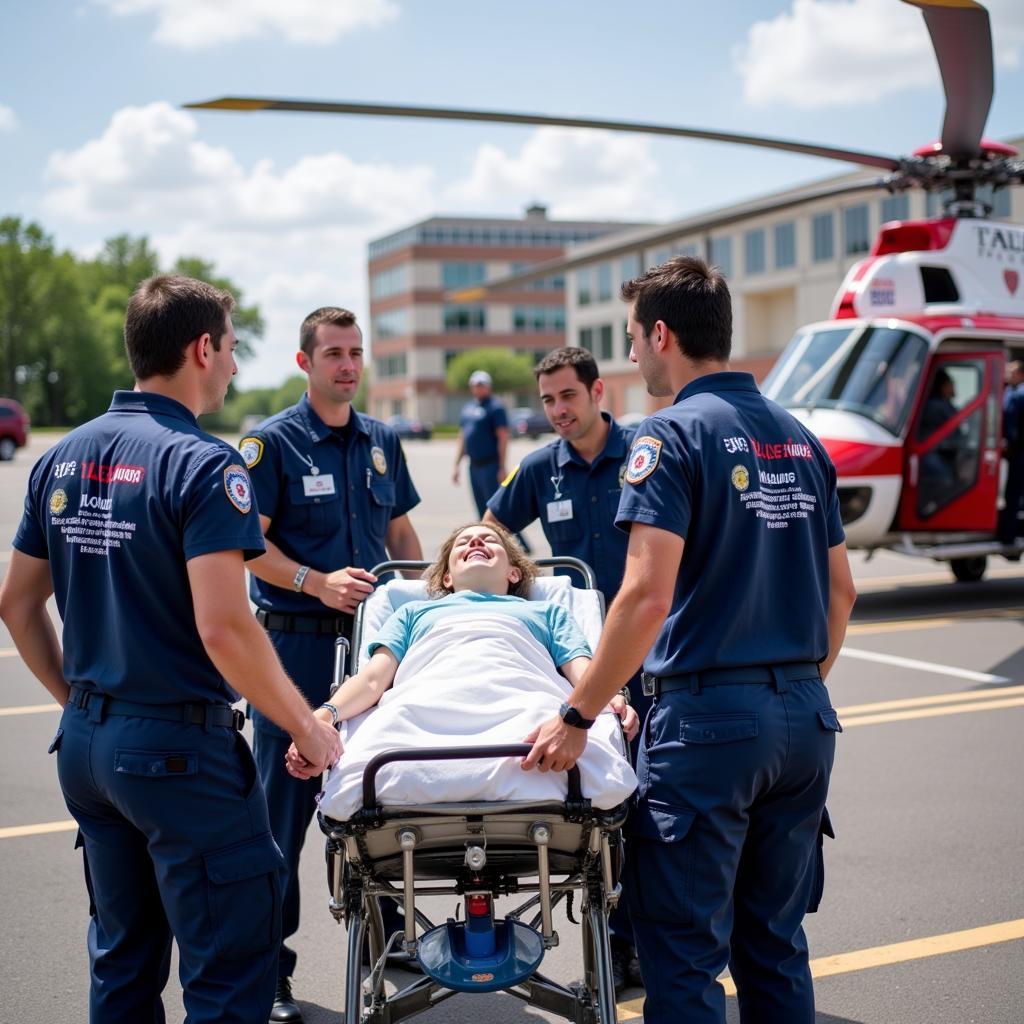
pixel 882 956
pixel 901 625
pixel 29 709
pixel 962 696
pixel 18 831
pixel 953 709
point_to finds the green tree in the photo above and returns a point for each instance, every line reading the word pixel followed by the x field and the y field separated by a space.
pixel 509 372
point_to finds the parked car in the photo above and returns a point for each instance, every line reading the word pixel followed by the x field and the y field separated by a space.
pixel 410 429
pixel 14 428
pixel 524 422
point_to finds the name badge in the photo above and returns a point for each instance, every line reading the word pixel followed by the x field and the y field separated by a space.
pixel 559 511
pixel 314 486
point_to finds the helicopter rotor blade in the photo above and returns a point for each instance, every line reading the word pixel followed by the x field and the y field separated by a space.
pixel 962 40
pixel 245 103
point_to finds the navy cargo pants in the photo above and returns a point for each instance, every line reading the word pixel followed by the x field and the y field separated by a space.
pixel 724 849
pixel 177 841
pixel 309 660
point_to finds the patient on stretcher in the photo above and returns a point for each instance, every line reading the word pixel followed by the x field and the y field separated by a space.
pixel 476 663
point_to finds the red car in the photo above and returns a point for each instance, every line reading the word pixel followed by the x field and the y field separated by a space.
pixel 14 425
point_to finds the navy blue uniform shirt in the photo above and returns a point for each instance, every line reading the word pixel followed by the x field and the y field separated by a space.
pixel 118 507
pixel 480 422
pixel 753 494
pixel 330 498
pixel 575 502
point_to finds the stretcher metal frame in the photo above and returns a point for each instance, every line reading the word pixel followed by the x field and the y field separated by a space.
pixel 488 848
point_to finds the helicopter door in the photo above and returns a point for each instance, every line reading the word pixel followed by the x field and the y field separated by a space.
pixel 951 476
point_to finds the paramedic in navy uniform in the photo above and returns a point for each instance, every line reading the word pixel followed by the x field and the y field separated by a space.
pixel 139 523
pixel 483 436
pixel 737 573
pixel 573 486
pixel 334 493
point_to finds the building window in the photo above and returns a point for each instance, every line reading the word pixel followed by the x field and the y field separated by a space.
pixel 393 281
pixel 604 282
pixel 785 245
pixel 753 250
pixel 391 324
pixel 465 318
pixel 538 318
pixel 584 287
pixel 895 208
pixel 462 275
pixel 604 342
pixel 822 235
pixel 629 267
pixel 544 284
pixel 390 366
pixel 721 254
pixel 587 338
pixel 856 237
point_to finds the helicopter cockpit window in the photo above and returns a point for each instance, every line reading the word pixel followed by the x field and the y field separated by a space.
pixel 872 372
pixel 949 467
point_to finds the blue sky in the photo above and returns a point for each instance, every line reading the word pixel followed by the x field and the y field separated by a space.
pixel 93 140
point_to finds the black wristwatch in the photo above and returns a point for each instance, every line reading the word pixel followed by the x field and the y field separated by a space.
pixel 571 716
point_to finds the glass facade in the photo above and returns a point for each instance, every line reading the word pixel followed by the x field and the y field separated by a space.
pixel 538 318
pixel 391 324
pixel 721 254
pixel 390 282
pixel 856 232
pixel 785 245
pixel 465 318
pixel 895 208
pixel 823 237
pixel 462 274
pixel 753 251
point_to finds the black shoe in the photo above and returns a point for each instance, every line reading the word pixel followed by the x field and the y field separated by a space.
pixel 621 955
pixel 286 1010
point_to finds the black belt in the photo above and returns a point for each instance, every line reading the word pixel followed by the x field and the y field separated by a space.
pixel 304 623
pixel 696 681
pixel 99 704
pixel 483 462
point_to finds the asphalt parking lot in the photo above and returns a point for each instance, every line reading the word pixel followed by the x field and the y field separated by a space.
pixel 923 916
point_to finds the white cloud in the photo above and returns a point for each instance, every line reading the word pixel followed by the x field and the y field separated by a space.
pixel 8 119
pixel 576 173
pixel 200 24
pixel 295 237
pixel 833 53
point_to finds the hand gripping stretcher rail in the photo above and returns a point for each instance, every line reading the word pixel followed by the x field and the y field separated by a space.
pixel 544 851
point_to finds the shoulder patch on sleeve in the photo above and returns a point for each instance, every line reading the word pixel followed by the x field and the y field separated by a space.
pixel 238 488
pixel 251 450
pixel 643 459
pixel 508 479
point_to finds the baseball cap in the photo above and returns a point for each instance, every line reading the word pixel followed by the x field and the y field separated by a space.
pixel 479 377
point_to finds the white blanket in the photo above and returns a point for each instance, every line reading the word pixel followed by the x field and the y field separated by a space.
pixel 484 679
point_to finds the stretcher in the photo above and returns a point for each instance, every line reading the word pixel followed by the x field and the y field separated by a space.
pixel 537 853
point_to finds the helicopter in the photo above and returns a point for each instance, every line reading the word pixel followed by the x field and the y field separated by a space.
pixel 904 382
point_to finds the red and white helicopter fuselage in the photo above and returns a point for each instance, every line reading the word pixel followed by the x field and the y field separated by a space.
pixel 904 386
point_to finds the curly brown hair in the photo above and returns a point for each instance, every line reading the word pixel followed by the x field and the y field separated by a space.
pixel 528 570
